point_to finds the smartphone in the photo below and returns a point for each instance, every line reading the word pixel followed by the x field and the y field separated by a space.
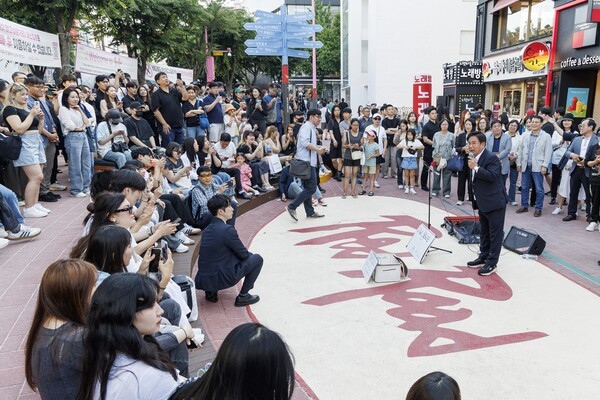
pixel 36 103
pixel 164 250
pixel 177 220
pixel 153 267
pixel 179 75
pixel 230 183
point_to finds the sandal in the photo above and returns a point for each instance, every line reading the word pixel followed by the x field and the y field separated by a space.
pixel 371 194
pixel 362 192
pixel 343 196
pixel 354 196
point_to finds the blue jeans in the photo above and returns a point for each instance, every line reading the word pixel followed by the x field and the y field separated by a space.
pixel 11 199
pixel 118 158
pixel 178 134
pixel 310 187
pixel 194 131
pixel 527 178
pixel 512 186
pixel 80 163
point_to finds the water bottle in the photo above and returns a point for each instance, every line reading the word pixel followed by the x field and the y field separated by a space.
pixel 530 256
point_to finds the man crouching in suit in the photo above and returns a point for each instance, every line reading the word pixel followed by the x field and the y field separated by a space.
pixel 223 259
pixel 489 197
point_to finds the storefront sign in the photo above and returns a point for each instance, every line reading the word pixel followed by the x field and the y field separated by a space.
pixel 421 93
pixel 594 11
pixel 187 75
pixel 584 33
pixel 97 62
pixel 535 56
pixel 21 44
pixel 507 66
pixel 463 73
pixel 468 102
pixel 577 101
pixel 584 61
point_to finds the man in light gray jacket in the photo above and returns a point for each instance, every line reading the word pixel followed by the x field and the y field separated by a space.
pixel 533 160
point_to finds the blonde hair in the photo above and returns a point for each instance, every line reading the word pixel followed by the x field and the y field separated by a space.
pixel 13 90
pixel 270 130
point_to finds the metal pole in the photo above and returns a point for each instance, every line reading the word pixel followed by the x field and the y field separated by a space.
pixel 314 56
pixel 285 74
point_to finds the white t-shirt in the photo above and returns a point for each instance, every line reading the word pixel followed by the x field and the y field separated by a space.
pixel 415 143
pixel 228 152
pixel 186 162
pixel 102 132
pixel 136 380
pixel 233 129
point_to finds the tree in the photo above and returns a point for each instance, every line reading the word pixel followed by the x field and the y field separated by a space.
pixel 148 28
pixel 54 16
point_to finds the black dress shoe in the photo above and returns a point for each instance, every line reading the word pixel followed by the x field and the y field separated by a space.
pixel 476 262
pixel 57 196
pixel 552 201
pixel 522 210
pixel 246 300
pixel 425 188
pixel 570 217
pixel 322 190
pixel 261 190
pixel 213 297
pixel 244 195
pixel 48 198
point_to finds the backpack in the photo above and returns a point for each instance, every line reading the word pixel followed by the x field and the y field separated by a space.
pixel 200 220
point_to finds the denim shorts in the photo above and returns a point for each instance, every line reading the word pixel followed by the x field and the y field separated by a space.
pixel 32 151
pixel 409 163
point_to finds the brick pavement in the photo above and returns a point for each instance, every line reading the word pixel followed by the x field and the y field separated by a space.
pixel 23 263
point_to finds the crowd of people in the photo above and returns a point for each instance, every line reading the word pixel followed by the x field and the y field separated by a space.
pixel 181 157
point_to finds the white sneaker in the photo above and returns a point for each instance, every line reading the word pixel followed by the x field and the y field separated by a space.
pixel 406 190
pixel 400 186
pixel 42 208
pixel 198 336
pixel 557 211
pixel 592 227
pixel 79 195
pixel 412 191
pixel 376 184
pixel 3 233
pixel 446 196
pixel 190 230
pixel 33 212
pixel 3 243
pixel 184 239
pixel 181 248
pixel 25 232
pixel 514 203
pixel 459 203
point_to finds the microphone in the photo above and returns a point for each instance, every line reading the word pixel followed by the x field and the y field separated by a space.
pixel 471 154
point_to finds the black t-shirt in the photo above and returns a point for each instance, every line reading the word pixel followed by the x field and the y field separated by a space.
pixel 254 113
pixel 429 130
pixel 202 157
pixel 100 95
pixel 388 123
pixel 296 129
pixel 548 128
pixel 127 100
pixel 140 129
pixel 245 149
pixel 11 110
pixel 187 107
pixel 169 105
pixel 334 126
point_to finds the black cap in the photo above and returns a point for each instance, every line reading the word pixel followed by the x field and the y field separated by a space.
pixel 135 105
pixel 114 115
pixel 297 113
pixel 569 117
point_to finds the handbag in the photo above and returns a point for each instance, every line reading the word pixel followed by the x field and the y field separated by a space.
pixel 299 168
pixel 355 154
pixel 456 163
pixel 116 147
pixel 10 146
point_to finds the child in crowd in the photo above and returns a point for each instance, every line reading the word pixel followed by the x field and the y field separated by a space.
pixel 231 124
pixel 369 168
pixel 244 125
pixel 410 145
pixel 245 173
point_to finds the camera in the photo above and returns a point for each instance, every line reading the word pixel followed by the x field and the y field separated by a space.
pixel 222 94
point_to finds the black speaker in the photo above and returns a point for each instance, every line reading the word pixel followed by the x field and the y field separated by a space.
pixel 524 242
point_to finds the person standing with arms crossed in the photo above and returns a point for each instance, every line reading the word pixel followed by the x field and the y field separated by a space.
pixel 307 150
pixel 490 198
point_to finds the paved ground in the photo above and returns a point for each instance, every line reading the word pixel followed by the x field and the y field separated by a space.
pixel 570 251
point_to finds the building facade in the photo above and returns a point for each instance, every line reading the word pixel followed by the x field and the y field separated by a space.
pixel 386 43
pixel 513 42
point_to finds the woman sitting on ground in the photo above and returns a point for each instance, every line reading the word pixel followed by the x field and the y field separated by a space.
pixel 176 173
pixel 122 360
pixel 273 144
pixel 54 349
pixel 254 151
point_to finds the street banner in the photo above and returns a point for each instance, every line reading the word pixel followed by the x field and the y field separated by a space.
pixel 97 62
pixel 187 75
pixel 421 93
pixel 25 45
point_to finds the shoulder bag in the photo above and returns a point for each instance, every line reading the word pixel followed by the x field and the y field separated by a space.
pixel 116 147
pixel 355 154
pixel 202 118
pixel 299 168
pixel 10 146
pixel 456 163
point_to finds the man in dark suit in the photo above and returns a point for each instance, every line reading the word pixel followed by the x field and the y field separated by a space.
pixel 489 196
pixel 223 259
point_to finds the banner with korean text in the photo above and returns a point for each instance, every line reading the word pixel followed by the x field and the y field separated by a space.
pixel 97 62
pixel 25 45
pixel 421 93
pixel 187 75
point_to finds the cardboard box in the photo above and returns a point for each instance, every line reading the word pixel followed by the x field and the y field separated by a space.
pixel 384 267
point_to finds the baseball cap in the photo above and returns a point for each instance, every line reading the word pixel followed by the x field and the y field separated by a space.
pixel 135 105
pixel 114 116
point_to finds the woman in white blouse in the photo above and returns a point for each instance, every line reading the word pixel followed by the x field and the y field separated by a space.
pixel 74 123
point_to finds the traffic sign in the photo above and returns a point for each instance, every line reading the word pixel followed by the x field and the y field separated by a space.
pixel 299 17
pixel 267 15
pixel 274 27
pixel 264 51
pixel 298 53
pixel 298 35
pixel 304 28
pixel 264 43
pixel 305 44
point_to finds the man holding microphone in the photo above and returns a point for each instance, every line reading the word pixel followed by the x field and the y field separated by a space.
pixel 307 150
pixel 489 197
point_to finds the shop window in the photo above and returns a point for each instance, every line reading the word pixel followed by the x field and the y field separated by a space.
pixel 524 21
pixel 511 102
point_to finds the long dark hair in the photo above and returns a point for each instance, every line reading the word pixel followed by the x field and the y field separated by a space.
pixel 64 293
pixel 253 363
pixel 111 331
pixel 106 247
pixel 188 148
pixel 105 204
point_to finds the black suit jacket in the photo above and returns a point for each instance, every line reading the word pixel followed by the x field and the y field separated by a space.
pixel 490 193
pixel 221 251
